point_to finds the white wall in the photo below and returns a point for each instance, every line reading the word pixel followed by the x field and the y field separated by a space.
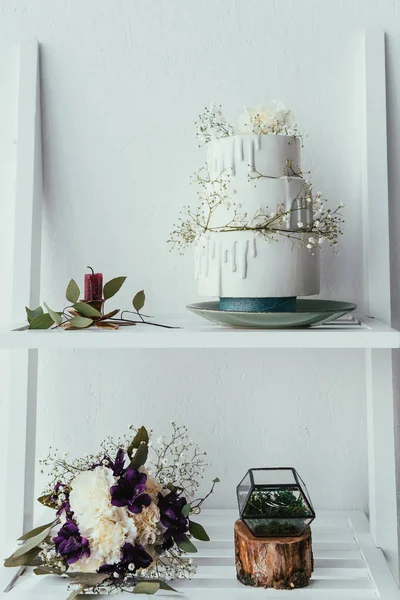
pixel 122 83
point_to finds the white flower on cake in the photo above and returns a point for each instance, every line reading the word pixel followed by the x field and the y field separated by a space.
pixel 274 118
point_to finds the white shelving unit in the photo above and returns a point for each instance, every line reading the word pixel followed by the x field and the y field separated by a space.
pixel 355 558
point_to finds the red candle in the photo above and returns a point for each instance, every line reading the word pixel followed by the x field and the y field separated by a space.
pixel 93 286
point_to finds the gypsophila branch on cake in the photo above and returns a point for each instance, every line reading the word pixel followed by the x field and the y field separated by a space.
pixel 122 516
pixel 212 125
pixel 90 311
pixel 193 224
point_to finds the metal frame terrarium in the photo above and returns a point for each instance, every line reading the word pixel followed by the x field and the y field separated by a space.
pixel 274 502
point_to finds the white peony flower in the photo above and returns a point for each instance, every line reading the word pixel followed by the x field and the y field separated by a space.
pixel 275 117
pixel 146 524
pixel 107 527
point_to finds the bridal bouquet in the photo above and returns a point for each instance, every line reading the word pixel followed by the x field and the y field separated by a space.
pixel 123 519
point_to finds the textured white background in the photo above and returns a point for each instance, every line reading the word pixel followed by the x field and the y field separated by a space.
pixel 122 83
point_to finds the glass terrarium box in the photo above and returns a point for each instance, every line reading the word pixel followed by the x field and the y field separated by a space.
pixel 274 502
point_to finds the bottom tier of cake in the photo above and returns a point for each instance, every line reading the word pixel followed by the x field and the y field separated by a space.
pixel 244 264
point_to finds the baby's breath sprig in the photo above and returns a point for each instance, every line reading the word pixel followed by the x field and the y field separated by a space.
pixel 212 125
pixel 323 226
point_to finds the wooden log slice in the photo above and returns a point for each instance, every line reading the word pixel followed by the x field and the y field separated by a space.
pixel 281 563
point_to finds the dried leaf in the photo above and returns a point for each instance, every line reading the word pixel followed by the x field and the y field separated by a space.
pixel 186 545
pixel 72 292
pixel 140 436
pixel 80 322
pixel 41 322
pixel 54 315
pixel 32 542
pixel 104 325
pixel 140 456
pixel 112 287
pixel 29 559
pixel 139 300
pixel 31 314
pixel 146 587
pixel 37 530
pixel 110 314
pixel 198 531
pixel 86 310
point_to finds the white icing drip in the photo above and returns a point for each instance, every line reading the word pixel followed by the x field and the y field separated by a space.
pixel 212 255
pixel 253 249
pixel 233 256
pixel 242 259
pixel 250 153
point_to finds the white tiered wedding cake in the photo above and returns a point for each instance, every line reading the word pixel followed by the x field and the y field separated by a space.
pixel 259 226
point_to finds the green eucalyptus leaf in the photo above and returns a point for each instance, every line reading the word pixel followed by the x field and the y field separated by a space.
pixel 146 587
pixel 31 314
pixel 36 531
pixel 47 571
pixel 80 322
pixel 198 531
pixel 216 480
pixel 72 292
pixel 54 315
pixel 140 436
pixel 139 300
pixel 41 322
pixel 32 542
pixel 88 579
pixel 85 309
pixel 30 559
pixel 112 287
pixel 186 510
pixel 140 456
pixel 186 545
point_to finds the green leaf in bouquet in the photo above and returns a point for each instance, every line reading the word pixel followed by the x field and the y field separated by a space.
pixel 186 545
pixel 47 571
pixel 80 322
pixel 31 314
pixel 46 500
pixel 88 579
pixel 140 456
pixel 54 315
pixel 139 300
pixel 41 322
pixel 72 292
pixel 112 287
pixel 37 530
pixel 186 510
pixel 216 480
pixel 140 436
pixel 198 531
pixel 147 587
pixel 29 559
pixel 33 542
pixel 76 593
pixel 86 310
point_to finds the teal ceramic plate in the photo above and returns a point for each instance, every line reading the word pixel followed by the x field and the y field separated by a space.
pixel 308 312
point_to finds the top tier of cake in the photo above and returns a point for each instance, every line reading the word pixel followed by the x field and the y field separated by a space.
pixel 263 173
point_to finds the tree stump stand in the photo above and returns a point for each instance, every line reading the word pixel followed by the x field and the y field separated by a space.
pixel 282 563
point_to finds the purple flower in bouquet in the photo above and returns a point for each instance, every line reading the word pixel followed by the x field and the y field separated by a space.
pixel 170 507
pixel 70 544
pixel 133 558
pixel 117 465
pixel 61 492
pixel 130 491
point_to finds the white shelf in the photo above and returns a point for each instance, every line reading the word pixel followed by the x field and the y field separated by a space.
pixel 363 332
pixel 347 566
